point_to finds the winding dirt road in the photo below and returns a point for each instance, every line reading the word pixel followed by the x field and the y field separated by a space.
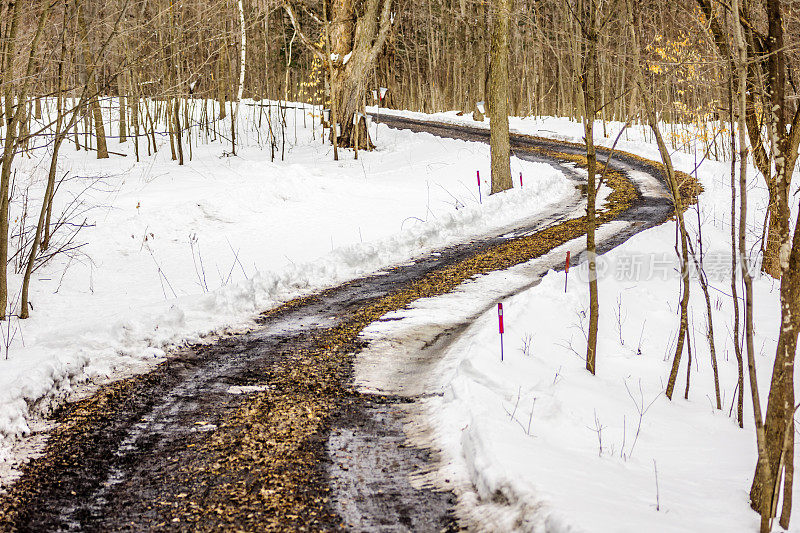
pixel 264 430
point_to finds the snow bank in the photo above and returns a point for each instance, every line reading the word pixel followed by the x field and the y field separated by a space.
pixel 535 443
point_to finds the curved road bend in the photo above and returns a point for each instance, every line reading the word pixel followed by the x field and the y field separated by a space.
pixel 264 430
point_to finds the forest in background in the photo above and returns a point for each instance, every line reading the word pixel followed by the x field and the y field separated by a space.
pixel 436 56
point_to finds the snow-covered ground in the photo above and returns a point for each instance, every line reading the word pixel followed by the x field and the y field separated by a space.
pixel 176 252
pixel 535 443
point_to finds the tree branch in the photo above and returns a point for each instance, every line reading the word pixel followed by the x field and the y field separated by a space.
pixel 312 46
pixel 383 33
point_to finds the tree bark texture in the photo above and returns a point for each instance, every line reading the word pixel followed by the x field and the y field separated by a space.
pixel 589 25
pixel 499 142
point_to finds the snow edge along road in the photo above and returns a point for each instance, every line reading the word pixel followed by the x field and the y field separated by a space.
pixel 406 347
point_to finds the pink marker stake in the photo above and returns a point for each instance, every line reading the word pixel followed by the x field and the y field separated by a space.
pixel 500 325
pixel 566 272
pixel 480 199
pixel 520 180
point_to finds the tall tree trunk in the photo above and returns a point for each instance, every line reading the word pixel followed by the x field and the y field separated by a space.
pixel 329 63
pixel 677 201
pixel 763 470
pixel 60 134
pixel 11 116
pixel 94 102
pixel 737 348
pixel 787 348
pixel 133 102
pixel 776 251
pixel 500 144
pixel 780 403
pixel 242 58
pixel 123 112
pixel 12 142
pixel 589 25
pixel 221 80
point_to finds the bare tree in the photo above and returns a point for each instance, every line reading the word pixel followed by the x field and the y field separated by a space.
pixel 500 144
pixel 674 186
pixel 242 63
pixel 357 35
pixel 589 27
pixel 13 116
pixel 733 103
pixel 764 467
pixel 587 15
pixel 94 102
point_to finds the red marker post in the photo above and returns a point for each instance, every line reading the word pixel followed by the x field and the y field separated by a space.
pixel 566 272
pixel 480 199
pixel 500 325
pixel 520 180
